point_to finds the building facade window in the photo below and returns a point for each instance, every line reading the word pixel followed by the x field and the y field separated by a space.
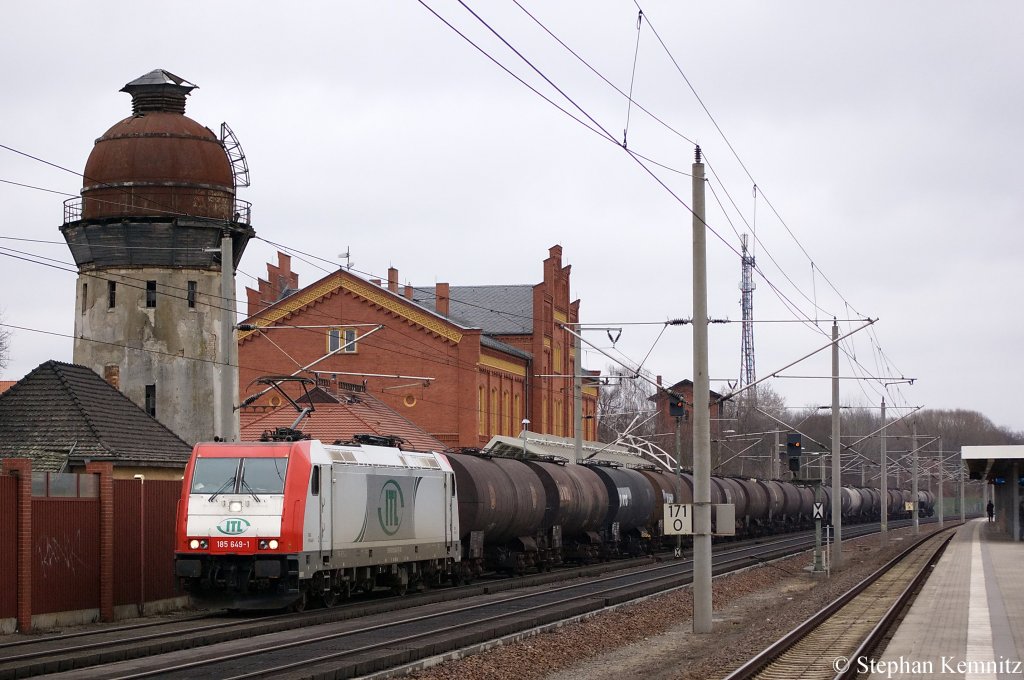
pixel 494 411
pixel 481 416
pixel 151 400
pixel 506 414
pixel 191 295
pixel 111 294
pixel 85 296
pixel 150 294
pixel 342 337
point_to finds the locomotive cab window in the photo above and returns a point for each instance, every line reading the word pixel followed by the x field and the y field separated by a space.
pixel 239 475
pixel 314 481
pixel 212 475
pixel 263 475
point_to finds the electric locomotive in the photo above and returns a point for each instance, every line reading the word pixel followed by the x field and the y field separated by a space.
pixel 272 524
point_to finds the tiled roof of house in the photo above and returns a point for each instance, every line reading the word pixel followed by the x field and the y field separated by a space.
pixel 496 310
pixel 488 341
pixel 340 418
pixel 63 411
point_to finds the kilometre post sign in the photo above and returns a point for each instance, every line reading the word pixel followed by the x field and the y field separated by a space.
pixel 678 519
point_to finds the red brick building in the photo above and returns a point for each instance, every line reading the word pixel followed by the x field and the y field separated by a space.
pixel 666 423
pixel 462 362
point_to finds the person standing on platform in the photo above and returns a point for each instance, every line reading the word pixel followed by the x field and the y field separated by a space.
pixel 991 509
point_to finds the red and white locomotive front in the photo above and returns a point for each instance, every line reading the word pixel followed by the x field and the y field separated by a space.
pixel 240 522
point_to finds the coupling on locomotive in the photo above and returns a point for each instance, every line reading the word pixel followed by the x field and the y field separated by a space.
pixel 278 523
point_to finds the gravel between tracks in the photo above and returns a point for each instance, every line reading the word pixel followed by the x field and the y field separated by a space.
pixel 652 639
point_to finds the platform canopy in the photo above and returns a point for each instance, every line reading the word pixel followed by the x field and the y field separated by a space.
pixel 992 462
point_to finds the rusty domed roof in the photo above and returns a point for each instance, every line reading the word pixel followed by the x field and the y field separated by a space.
pixel 158 161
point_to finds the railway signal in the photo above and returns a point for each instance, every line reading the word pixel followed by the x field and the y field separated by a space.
pixel 794 447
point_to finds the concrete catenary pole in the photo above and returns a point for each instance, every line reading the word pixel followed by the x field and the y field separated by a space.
pixel 913 476
pixel 228 428
pixel 577 392
pixel 701 413
pixel 679 477
pixel 837 478
pixel 884 491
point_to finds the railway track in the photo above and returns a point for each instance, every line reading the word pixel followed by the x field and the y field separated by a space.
pixel 347 646
pixel 828 644
pixel 36 655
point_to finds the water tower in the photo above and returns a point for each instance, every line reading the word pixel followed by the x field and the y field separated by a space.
pixel 156 236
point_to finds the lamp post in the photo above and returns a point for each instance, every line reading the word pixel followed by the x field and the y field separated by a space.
pixel 142 543
pixel 526 426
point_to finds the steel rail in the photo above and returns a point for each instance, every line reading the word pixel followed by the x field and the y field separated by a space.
pixel 770 662
pixel 615 593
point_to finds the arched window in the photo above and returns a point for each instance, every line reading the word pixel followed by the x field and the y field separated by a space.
pixel 481 417
pixel 494 411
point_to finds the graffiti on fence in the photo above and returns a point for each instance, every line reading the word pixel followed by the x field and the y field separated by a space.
pixel 60 552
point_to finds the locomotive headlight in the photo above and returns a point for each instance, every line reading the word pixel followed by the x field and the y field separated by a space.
pixel 204 544
pixel 194 544
pixel 273 544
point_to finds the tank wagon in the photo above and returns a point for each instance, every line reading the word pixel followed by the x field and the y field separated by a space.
pixel 273 524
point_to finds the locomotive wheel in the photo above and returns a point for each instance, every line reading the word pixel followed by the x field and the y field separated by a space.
pixel 329 598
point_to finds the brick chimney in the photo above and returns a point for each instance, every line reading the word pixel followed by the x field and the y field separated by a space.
pixel 408 290
pixel 392 279
pixel 441 293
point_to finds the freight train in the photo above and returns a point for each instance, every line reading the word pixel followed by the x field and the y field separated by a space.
pixel 281 523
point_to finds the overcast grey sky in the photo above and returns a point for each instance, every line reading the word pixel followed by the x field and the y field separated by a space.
pixel 886 135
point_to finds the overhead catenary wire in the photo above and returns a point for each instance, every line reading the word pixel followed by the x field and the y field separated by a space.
pixel 630 97
pixel 632 79
pixel 579 108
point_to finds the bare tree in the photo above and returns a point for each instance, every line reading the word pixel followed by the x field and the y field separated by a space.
pixel 5 344
pixel 746 442
pixel 621 400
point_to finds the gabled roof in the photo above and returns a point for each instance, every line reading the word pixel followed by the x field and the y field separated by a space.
pixel 496 310
pixel 342 416
pixel 678 388
pixel 341 280
pixel 61 411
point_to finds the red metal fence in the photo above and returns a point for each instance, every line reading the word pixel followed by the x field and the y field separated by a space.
pixel 144 577
pixel 8 539
pixel 65 554
pixel 95 542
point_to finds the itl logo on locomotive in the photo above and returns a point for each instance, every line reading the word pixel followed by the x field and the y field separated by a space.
pixel 390 507
pixel 232 526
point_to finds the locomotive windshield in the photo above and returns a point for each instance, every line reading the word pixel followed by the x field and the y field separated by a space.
pixel 213 475
pixel 264 475
pixel 221 475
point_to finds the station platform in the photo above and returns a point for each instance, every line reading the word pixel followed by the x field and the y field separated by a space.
pixel 968 620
